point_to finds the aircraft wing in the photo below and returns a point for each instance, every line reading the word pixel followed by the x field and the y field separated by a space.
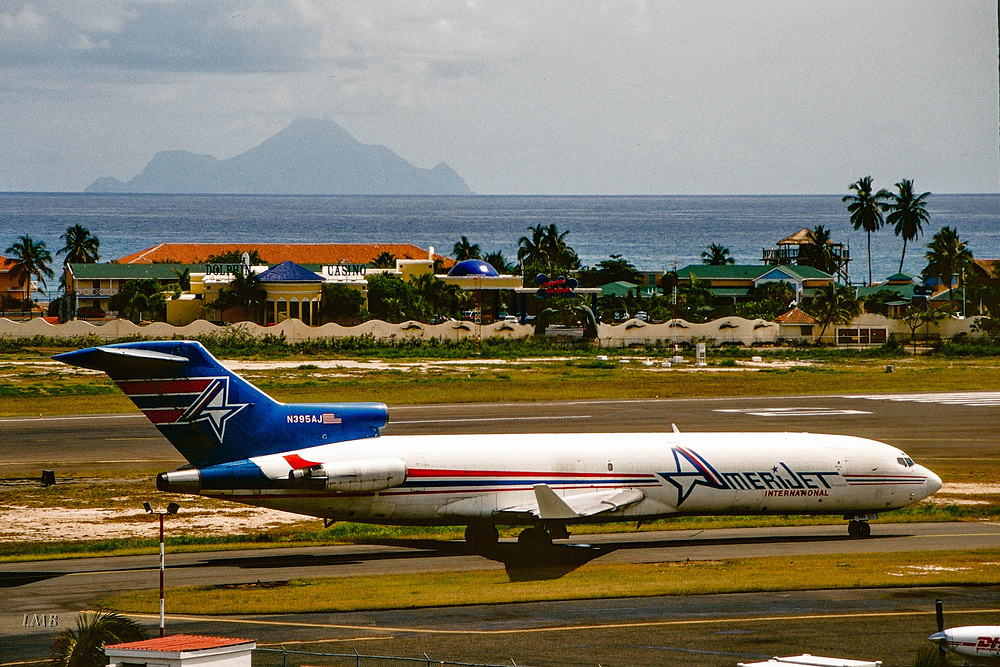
pixel 549 505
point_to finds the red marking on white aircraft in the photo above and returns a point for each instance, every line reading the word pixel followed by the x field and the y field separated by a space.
pixel 297 461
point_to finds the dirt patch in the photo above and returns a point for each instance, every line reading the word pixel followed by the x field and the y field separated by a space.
pixel 34 524
pixel 959 489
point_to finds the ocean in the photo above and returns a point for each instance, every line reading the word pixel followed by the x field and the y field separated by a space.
pixel 654 233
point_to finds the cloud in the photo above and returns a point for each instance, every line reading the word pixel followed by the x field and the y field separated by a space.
pixel 573 96
pixel 182 36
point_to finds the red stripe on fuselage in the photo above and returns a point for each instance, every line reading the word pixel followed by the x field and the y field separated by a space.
pixel 147 387
pixel 474 474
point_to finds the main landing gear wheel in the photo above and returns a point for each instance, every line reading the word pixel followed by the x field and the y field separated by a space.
pixel 858 529
pixel 481 536
pixel 535 538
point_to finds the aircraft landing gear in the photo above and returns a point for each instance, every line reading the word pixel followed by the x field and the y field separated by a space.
pixel 857 528
pixel 535 538
pixel 481 536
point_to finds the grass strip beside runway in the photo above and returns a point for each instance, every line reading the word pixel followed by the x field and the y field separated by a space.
pixel 591 581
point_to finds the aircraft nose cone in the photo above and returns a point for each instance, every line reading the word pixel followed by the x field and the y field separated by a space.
pixel 938 637
pixel 933 482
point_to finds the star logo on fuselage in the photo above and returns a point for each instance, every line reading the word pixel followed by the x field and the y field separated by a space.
pixel 692 471
pixel 213 407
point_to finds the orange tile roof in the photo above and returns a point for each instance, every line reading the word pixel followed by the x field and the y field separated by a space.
pixel 180 643
pixel 275 253
pixel 989 266
pixel 796 316
pixel 5 263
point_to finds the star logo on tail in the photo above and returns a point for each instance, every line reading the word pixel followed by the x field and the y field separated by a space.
pixel 213 407
pixel 692 471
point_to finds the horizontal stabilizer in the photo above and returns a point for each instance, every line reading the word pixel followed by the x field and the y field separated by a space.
pixel 551 506
pixel 121 362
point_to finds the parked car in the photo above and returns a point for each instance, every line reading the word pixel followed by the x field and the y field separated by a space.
pixel 642 316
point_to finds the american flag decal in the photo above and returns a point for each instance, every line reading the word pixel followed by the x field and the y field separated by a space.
pixel 330 418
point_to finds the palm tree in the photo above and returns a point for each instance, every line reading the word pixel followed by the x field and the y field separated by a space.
pixel 384 260
pixel 546 251
pixel 30 258
pixel 716 255
pixel 530 250
pixel 907 214
pixel 819 252
pixel 834 305
pixel 866 209
pixel 244 291
pixel 183 278
pixel 463 250
pixel 81 247
pixel 499 262
pixel 947 255
pixel 84 646
pixel 434 291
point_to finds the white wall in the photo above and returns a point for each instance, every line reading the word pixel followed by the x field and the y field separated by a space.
pixel 735 330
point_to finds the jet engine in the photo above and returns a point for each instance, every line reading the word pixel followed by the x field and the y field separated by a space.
pixel 346 476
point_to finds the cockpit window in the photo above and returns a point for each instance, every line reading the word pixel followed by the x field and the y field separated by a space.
pixel 905 461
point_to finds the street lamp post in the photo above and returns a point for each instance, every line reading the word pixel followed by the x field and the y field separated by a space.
pixel 171 509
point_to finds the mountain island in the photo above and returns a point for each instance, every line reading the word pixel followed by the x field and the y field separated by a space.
pixel 309 157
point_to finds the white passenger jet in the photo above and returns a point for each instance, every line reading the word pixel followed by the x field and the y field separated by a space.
pixel 330 461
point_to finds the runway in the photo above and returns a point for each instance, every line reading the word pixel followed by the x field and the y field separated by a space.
pixel 946 432
pixel 933 428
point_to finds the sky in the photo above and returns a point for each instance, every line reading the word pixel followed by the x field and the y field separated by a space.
pixel 525 97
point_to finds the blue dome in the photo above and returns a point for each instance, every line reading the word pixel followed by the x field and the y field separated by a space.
pixel 473 267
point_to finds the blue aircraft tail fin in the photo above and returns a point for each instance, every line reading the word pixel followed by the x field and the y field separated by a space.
pixel 210 414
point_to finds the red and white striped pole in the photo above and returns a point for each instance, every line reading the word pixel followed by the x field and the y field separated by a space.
pixel 162 569
pixel 171 509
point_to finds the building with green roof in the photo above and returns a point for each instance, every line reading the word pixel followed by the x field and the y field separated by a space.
pixel 738 281
pixel 95 284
